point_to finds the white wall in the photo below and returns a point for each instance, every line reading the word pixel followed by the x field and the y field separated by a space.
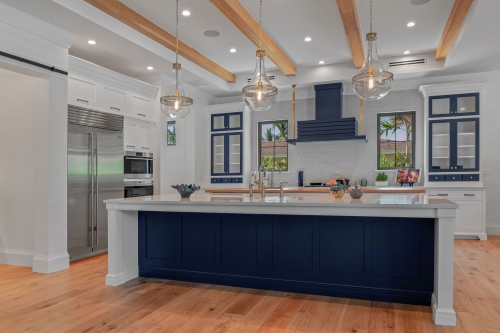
pixel 184 163
pixel 19 95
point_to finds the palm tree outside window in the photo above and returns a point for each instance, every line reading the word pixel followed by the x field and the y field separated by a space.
pixel 396 146
pixel 171 133
pixel 273 148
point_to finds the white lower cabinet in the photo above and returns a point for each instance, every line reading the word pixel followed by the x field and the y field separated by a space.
pixel 471 219
pixel 138 135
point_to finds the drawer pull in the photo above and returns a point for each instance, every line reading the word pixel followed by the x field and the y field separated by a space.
pixel 443 195
pixel 142 115
pixel 129 146
pixel 469 195
pixel 82 100
pixel 145 147
pixel 113 108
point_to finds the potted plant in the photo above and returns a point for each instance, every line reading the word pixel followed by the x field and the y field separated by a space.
pixel 381 180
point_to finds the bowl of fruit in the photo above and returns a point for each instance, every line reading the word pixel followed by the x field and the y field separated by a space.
pixel 338 189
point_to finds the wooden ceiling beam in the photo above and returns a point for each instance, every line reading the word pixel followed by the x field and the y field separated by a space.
pixel 242 19
pixel 452 28
pixel 349 14
pixel 134 20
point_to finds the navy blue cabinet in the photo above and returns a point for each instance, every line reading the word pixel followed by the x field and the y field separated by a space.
pixel 227 155
pixel 454 145
pixel 381 259
pixel 454 105
pixel 227 122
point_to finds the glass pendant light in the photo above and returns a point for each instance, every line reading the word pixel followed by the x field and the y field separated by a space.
pixel 176 104
pixel 260 94
pixel 373 81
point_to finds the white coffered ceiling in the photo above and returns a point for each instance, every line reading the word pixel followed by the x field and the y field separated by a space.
pixel 288 22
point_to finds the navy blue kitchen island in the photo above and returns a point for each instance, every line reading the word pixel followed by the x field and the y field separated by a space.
pixel 391 248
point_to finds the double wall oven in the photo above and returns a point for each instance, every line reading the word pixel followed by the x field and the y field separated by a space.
pixel 138 172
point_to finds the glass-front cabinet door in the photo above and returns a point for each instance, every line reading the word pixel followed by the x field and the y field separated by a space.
pixel 454 145
pixel 218 154
pixel 234 153
pixel 227 121
pixel 440 146
pixel 454 105
pixel 227 154
pixel 467 137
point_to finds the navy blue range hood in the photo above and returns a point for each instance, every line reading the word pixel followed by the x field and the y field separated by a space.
pixel 329 124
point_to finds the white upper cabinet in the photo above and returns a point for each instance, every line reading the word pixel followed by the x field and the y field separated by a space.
pixel 104 90
pixel 138 135
pixel 114 98
pixel 141 106
pixel 82 90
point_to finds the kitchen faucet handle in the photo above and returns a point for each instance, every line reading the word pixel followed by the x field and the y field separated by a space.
pixel 282 183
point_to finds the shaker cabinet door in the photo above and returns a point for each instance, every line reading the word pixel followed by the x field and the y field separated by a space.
pixel 114 98
pixel 141 106
pixel 469 216
pixel 83 91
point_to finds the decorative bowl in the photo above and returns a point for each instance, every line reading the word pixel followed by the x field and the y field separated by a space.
pixel 338 190
pixel 186 190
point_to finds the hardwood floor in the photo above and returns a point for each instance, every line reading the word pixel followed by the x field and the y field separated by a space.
pixel 76 300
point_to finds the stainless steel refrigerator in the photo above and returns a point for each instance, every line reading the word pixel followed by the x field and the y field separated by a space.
pixel 95 174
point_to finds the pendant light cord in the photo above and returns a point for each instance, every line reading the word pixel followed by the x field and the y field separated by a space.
pixel 176 46
pixel 371 15
pixel 260 26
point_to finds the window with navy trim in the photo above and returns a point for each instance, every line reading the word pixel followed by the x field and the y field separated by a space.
pixel 396 146
pixel 273 148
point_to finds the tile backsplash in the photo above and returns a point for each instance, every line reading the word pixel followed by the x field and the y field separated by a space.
pixel 354 159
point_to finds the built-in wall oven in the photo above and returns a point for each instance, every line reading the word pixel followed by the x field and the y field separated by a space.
pixel 138 165
pixel 138 188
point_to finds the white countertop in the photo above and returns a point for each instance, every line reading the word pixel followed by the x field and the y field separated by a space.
pixel 369 200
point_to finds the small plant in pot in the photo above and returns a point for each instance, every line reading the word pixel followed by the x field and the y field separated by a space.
pixel 381 180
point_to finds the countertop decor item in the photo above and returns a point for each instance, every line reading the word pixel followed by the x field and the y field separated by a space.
pixel 407 176
pixel 186 190
pixel 381 180
pixel 364 182
pixel 343 181
pixel 338 190
pixel 260 94
pixel 176 104
pixel 373 80
pixel 357 192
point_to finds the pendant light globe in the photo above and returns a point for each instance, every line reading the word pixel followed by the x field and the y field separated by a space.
pixel 260 94
pixel 176 104
pixel 373 81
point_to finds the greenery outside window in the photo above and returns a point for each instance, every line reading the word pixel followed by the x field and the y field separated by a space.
pixel 273 148
pixel 396 145
pixel 171 133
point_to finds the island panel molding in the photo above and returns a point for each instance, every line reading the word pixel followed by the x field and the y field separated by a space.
pixel 373 258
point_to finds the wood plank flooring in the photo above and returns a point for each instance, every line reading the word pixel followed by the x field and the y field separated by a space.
pixel 76 300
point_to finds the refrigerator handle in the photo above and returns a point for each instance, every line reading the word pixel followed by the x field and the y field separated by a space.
pixel 91 137
pixel 96 193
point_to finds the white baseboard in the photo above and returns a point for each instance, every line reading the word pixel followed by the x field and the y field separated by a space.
pixel 493 229
pixel 50 264
pixel 116 280
pixel 16 257
pixel 445 317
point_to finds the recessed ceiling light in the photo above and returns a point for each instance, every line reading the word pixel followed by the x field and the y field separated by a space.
pixel 150 68
pixel 232 50
pixel 410 24
pixel 186 13
pixel 308 39
pixel 321 62
pixel 407 52
pixel 91 42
